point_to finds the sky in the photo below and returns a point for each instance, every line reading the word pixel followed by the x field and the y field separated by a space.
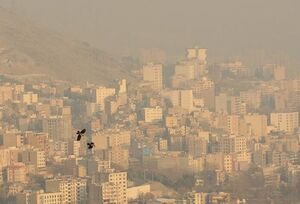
pixel 227 28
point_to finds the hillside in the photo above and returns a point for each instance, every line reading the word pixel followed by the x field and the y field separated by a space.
pixel 28 49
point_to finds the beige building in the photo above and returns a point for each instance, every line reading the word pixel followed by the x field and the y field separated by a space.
pixel 205 89
pixel 196 197
pixel 112 189
pixel 58 127
pixel 240 144
pixel 252 98
pixel 111 138
pixel 153 74
pixel 287 122
pixel 235 67
pixel 233 124
pixel 153 114
pixel 171 121
pixel 258 125
pixel 198 56
pixel 197 53
pixel 40 197
pixel 181 98
pixel 74 190
pixel 120 156
pixel 16 172
pixel 29 98
pixel 277 72
pixel 228 163
pixel 122 86
pixel 12 139
pixel 35 157
pixel 74 148
pixel 237 106
pixel 196 146
pixel 6 94
pixel 186 70
pixel 100 94
pixel 37 140
pixel 221 103
pixel 186 99
pixel 136 191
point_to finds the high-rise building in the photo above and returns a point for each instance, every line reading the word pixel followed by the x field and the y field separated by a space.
pixel 74 147
pixel 74 190
pixel 196 197
pixel 221 103
pixel 100 94
pixel 35 157
pixel 233 124
pixel 186 99
pixel 197 53
pixel 6 94
pixel 112 188
pixel 115 187
pixel 228 163
pixel 41 197
pixel 171 121
pixel 153 73
pixel 58 127
pixel 226 144
pixel 181 98
pixel 122 86
pixel 120 156
pixel 37 140
pixel 186 70
pixel 235 67
pixel 29 98
pixel 153 114
pixel 15 172
pixel 198 57
pixel 12 139
pixel 258 125
pixel 274 71
pixel 205 89
pixel 196 146
pixel 111 138
pixel 287 122
pixel 252 98
pixel 237 106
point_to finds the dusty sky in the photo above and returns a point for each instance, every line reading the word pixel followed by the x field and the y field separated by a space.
pixel 228 28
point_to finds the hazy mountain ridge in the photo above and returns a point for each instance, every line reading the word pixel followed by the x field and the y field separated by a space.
pixel 28 49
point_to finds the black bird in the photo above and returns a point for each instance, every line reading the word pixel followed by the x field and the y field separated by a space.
pixel 80 134
pixel 91 145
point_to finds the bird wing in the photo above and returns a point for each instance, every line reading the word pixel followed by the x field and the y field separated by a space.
pixel 78 137
pixel 83 131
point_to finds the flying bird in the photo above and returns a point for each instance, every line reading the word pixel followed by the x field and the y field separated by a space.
pixel 91 145
pixel 80 134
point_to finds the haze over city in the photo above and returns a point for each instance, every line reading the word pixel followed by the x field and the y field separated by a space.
pixel 230 28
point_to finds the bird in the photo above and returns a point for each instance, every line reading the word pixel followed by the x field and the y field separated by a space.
pixel 80 134
pixel 90 145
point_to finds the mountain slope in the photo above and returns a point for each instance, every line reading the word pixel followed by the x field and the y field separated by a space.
pixel 28 49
